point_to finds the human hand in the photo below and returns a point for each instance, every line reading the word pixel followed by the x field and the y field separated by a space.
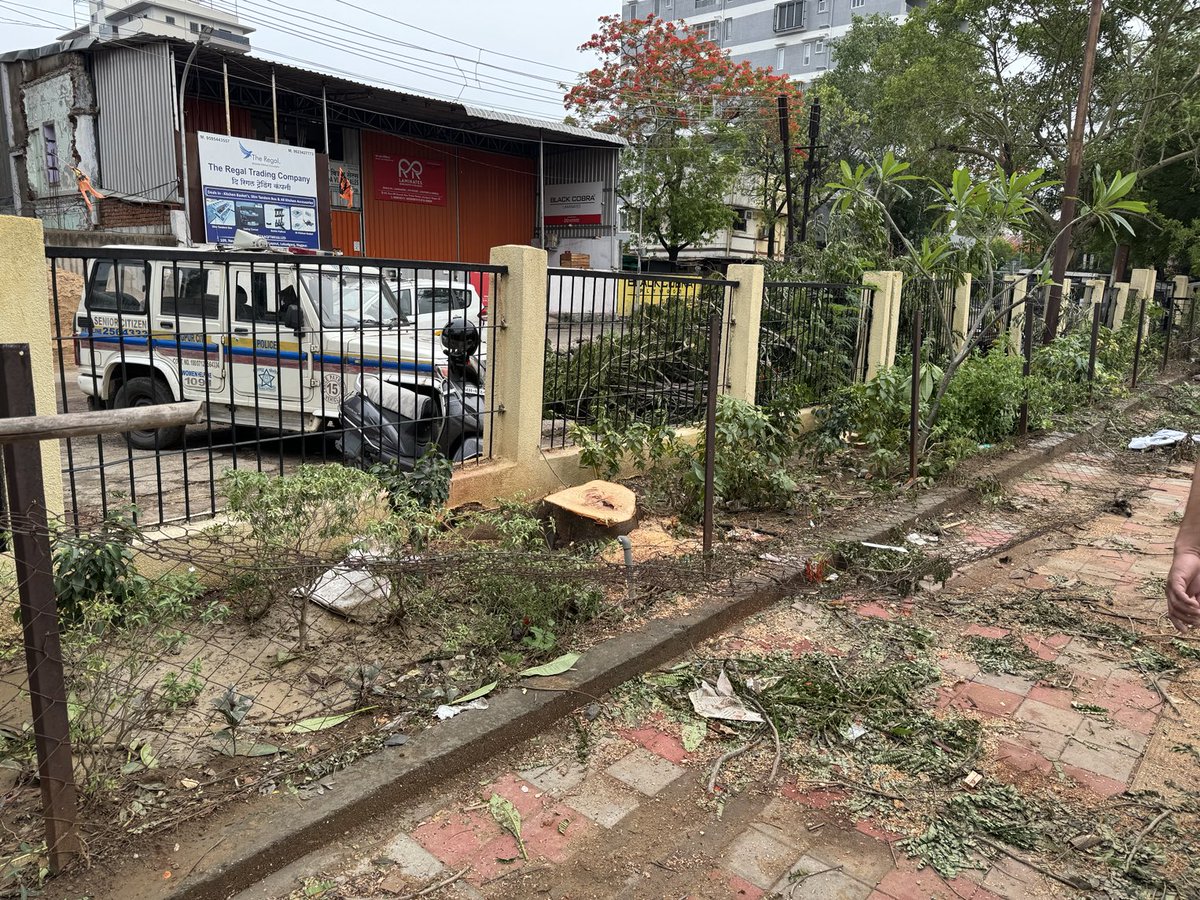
pixel 1183 586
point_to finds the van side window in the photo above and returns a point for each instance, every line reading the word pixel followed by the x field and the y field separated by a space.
pixel 191 290
pixel 256 298
pixel 118 286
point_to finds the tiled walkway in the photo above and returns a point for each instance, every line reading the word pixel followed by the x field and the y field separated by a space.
pixel 618 808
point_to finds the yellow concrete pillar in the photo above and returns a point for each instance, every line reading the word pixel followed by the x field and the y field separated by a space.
pixel 519 354
pixel 1120 303
pixel 25 315
pixel 743 316
pixel 885 319
pixel 1144 281
pixel 960 319
pixel 1017 293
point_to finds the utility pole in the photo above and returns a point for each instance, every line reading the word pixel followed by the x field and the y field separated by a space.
pixel 785 138
pixel 1062 248
pixel 810 165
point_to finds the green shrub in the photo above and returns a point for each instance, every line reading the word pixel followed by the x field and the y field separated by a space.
pixel 983 400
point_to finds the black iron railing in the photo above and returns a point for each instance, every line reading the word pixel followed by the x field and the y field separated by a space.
pixel 626 347
pixel 812 339
pixel 275 345
pixel 936 301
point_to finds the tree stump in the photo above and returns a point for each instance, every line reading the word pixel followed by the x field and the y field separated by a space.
pixel 596 511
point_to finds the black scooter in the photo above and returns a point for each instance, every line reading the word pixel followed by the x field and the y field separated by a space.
pixel 386 421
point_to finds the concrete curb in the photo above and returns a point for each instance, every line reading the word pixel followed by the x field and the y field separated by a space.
pixel 279 831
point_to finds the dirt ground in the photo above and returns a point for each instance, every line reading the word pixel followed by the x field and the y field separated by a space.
pixel 1049 637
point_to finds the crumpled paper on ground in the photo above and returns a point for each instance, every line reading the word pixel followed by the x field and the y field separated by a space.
pixel 1165 437
pixel 721 702
pixel 449 712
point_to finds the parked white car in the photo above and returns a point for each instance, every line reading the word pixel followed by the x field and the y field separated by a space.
pixel 266 339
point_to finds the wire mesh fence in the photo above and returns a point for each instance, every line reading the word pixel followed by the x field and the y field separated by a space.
pixel 627 348
pixel 297 358
pixel 812 339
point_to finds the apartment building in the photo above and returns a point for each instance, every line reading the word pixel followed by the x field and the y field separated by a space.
pixel 791 36
pixel 183 20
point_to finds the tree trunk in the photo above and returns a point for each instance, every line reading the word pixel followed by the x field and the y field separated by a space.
pixel 598 510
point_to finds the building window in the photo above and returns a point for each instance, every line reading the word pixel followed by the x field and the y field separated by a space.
pixel 819 50
pixel 806 56
pixel 195 26
pixel 670 4
pixel 50 142
pixel 857 4
pixel 822 6
pixel 705 4
pixel 741 221
pixel 170 20
pixel 780 52
pixel 790 16
pixel 728 30
pixel 708 31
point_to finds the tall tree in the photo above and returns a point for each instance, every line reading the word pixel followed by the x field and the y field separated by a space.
pixel 695 121
pixel 979 84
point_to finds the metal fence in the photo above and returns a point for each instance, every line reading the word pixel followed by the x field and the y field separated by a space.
pixel 626 347
pixel 936 301
pixel 812 339
pixel 297 359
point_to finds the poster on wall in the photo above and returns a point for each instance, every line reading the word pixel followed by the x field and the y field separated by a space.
pixel 575 204
pixel 345 185
pixel 256 186
pixel 409 179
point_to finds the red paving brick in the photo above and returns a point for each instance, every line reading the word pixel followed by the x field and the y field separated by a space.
pixel 871 829
pixel 1098 784
pixel 665 745
pixel 817 798
pixel 988 700
pixel 1051 696
pixel 873 611
pixel 737 887
pixel 1022 758
pixel 986 631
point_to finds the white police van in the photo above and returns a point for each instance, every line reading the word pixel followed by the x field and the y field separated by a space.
pixel 271 339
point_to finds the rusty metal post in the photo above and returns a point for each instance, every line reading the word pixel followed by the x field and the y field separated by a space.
pixel 710 431
pixel 1170 327
pixel 1095 340
pixel 914 415
pixel 1137 345
pixel 39 612
pixel 1027 353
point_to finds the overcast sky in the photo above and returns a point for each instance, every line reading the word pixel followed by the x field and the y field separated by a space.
pixel 463 58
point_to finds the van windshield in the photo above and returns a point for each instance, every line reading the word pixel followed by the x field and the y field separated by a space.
pixel 432 299
pixel 350 299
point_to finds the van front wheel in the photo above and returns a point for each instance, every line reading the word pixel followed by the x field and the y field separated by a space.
pixel 146 391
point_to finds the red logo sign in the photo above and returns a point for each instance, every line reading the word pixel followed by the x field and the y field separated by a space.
pixel 405 179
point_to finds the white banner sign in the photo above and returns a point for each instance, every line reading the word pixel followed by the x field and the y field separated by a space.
pixel 575 204
pixel 256 186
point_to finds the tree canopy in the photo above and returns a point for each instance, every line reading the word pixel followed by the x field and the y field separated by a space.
pixel 701 127
pixel 981 84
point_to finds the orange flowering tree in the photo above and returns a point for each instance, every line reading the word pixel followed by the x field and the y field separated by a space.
pixel 701 128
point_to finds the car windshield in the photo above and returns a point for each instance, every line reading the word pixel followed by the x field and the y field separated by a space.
pixel 432 299
pixel 350 299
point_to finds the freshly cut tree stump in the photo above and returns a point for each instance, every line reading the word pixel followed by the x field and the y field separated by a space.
pixel 596 511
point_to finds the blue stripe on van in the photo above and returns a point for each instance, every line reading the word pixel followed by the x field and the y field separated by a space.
pixel 259 353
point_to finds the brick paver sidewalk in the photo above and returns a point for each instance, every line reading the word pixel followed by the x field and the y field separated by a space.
pixel 613 805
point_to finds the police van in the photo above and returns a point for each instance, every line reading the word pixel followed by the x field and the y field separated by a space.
pixel 268 338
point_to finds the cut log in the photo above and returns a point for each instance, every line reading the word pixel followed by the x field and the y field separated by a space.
pixel 596 511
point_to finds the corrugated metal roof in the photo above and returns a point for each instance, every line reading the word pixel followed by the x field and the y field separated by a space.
pixel 495 115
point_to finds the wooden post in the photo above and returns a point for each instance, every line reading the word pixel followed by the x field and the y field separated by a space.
pixel 39 612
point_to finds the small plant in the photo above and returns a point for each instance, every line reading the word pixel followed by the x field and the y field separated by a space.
pixel 298 523
pixel 97 566
pixel 178 692
pixel 606 448
pixel 427 485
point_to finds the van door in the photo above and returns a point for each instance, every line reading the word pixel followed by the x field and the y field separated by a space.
pixel 190 328
pixel 271 367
